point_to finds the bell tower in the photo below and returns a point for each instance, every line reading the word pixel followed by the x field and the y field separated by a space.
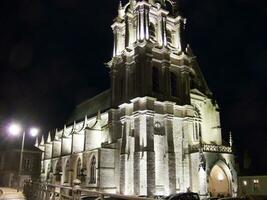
pixel 149 55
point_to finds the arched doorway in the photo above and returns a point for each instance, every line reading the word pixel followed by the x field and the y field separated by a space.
pixel 219 181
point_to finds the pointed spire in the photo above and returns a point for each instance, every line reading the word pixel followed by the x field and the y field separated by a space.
pixel 48 138
pixel 36 142
pixel 56 135
pixel 85 120
pixel 230 139
pixel 98 117
pixel 120 11
pixel 120 5
pixel 64 130
pixel 74 126
pixel 42 140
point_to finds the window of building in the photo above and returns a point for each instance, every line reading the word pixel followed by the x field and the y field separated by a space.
pixel 92 170
pixel 155 79
pixel 196 131
pixel 245 183
pixel 58 171
pixel 256 185
pixel 152 31
pixel 66 173
pixel 26 164
pixel 169 37
pixel 173 85
pixel 49 169
pixel 79 168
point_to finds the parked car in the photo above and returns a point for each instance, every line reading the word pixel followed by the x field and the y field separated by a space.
pixel 183 196
pixel 159 197
pixel 88 197
pixel 231 198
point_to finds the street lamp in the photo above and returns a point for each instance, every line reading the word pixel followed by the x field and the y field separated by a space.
pixel 15 129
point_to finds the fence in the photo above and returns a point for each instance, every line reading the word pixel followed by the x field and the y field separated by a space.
pixel 44 191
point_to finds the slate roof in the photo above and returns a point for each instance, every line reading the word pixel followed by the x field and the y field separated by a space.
pixel 90 107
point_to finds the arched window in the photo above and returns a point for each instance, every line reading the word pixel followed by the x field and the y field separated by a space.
pixel 49 170
pixel 169 7
pixel 92 170
pixel 169 37
pixel 155 79
pixel 79 168
pixel 58 171
pixel 152 31
pixel 66 173
pixel 174 92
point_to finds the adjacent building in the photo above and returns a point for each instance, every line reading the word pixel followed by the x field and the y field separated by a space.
pixel 252 185
pixel 9 166
pixel 157 129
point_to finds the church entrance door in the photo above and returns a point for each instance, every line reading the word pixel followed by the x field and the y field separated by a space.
pixel 219 184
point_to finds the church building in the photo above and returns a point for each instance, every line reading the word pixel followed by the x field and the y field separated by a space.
pixel 157 130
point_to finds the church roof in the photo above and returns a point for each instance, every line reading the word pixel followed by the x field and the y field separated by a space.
pixel 90 107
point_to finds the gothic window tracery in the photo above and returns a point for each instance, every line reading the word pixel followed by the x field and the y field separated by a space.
pixel 92 179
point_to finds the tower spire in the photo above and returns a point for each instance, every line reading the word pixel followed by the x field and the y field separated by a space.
pixel 42 140
pixel 120 11
pixel 36 142
pixel 48 138
pixel 230 139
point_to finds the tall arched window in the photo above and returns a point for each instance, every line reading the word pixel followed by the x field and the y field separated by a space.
pixel 49 170
pixel 66 173
pixel 169 7
pixel 155 79
pixel 92 170
pixel 152 31
pixel 174 92
pixel 169 37
pixel 58 171
pixel 79 168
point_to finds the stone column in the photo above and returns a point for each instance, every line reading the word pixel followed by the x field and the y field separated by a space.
pixel 185 85
pixel 202 175
pixel 170 155
pixel 150 154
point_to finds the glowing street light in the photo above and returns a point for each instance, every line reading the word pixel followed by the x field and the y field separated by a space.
pixel 15 129
pixel 34 131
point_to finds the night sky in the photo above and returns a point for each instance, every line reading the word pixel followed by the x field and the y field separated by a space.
pixel 52 55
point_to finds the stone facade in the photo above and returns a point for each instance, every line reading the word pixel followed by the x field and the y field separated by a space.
pixel 160 133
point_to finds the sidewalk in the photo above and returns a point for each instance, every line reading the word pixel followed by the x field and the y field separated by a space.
pixel 10 193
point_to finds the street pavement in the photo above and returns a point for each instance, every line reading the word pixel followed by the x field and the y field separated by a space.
pixel 10 193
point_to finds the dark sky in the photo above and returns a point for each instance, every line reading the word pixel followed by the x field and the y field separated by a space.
pixel 52 55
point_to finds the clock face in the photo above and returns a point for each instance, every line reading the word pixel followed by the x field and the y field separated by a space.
pixel 158 125
pixel 158 128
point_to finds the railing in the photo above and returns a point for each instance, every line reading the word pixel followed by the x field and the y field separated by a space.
pixel 44 191
pixel 211 148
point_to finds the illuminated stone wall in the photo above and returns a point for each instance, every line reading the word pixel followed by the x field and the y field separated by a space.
pixel 162 132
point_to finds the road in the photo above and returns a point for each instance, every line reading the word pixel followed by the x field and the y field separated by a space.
pixel 10 193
